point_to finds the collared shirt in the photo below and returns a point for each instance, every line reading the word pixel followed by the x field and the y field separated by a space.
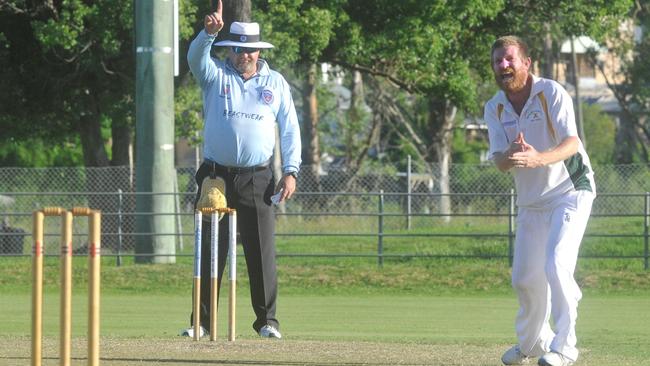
pixel 546 120
pixel 240 115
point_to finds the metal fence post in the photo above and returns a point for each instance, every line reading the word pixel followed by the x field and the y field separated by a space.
pixel 511 227
pixel 118 257
pixel 380 230
pixel 408 193
pixel 177 206
pixel 646 223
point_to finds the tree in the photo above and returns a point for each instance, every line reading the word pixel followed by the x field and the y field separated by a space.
pixel 303 29
pixel 36 153
pixel 71 75
pixel 631 45
pixel 600 129
pixel 546 30
pixel 67 78
pixel 67 74
pixel 429 50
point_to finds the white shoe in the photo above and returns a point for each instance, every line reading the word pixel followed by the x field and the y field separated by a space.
pixel 513 356
pixel 269 331
pixel 189 332
pixel 554 359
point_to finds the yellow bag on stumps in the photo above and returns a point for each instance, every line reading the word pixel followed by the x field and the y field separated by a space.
pixel 213 195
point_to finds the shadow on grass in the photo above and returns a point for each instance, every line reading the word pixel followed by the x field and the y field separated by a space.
pixel 214 362
pixel 245 362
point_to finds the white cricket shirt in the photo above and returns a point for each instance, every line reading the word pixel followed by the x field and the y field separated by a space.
pixel 546 120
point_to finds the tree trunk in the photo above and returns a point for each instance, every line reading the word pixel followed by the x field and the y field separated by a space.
pixel 99 180
pixel 441 123
pixel 548 60
pixel 122 156
pixel 311 145
pixel 92 143
pixel 121 148
pixel 576 84
pixel 233 11
pixel 626 140
pixel 357 117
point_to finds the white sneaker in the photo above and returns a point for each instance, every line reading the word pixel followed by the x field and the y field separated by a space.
pixel 269 331
pixel 189 332
pixel 554 359
pixel 513 356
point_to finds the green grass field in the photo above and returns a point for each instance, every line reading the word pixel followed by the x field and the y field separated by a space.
pixel 332 312
pixel 332 329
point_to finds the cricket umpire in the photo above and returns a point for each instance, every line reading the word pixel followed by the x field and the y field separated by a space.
pixel 243 100
pixel 533 135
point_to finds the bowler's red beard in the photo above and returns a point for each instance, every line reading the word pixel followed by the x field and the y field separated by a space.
pixel 511 80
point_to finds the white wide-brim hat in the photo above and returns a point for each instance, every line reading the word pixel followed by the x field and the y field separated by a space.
pixel 244 35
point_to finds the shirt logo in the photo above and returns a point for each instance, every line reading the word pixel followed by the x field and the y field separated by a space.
pixel 567 217
pixel 267 96
pixel 534 115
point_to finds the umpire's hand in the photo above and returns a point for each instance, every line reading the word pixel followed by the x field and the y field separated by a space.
pixel 214 22
pixel 286 185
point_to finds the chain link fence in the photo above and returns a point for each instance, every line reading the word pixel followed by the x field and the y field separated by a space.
pixel 356 204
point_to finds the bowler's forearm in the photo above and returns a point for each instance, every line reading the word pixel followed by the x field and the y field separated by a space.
pixel 567 148
pixel 502 162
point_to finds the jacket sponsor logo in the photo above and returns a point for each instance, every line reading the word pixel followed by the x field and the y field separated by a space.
pixel 243 115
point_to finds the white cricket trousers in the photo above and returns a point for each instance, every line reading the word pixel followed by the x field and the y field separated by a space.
pixel 545 256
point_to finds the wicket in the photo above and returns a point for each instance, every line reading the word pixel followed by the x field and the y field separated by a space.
pixel 94 232
pixel 214 260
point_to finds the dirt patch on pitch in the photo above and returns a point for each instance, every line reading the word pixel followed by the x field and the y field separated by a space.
pixel 183 351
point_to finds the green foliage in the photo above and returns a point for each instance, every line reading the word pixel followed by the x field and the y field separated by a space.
pixel 429 47
pixel 464 179
pixel 633 92
pixel 187 108
pixel 564 18
pixel 67 66
pixel 301 30
pixel 72 62
pixel 315 22
pixel 600 131
pixel 188 17
pixel 329 118
pixel 66 30
pixel 467 150
pixel 36 153
pixel 632 178
pixel 577 17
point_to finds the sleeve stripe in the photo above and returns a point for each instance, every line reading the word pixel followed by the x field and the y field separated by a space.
pixel 542 99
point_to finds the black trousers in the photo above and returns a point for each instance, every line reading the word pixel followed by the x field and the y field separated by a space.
pixel 249 193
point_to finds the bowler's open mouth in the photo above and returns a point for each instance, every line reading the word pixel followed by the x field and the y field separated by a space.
pixel 507 75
